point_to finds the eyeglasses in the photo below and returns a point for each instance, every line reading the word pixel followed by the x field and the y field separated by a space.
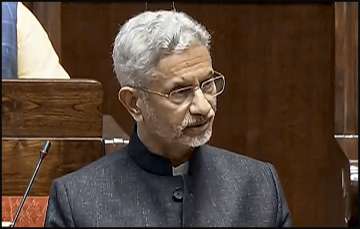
pixel 210 88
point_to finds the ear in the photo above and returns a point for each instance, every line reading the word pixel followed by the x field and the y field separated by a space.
pixel 129 97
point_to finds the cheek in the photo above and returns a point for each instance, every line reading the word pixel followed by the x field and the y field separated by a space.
pixel 175 118
pixel 170 115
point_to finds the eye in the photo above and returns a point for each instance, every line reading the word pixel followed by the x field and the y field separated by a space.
pixel 181 94
pixel 209 87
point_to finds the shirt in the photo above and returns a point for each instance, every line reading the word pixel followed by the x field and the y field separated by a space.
pixel 36 55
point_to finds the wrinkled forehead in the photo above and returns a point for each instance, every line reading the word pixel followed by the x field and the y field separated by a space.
pixel 189 66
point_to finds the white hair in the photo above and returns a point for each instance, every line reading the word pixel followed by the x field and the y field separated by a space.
pixel 149 36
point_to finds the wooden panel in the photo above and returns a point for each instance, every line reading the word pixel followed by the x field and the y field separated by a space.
pixel 32 214
pixel 346 90
pixel 278 60
pixel 278 104
pixel 20 156
pixel 80 43
pixel 55 108
pixel 346 68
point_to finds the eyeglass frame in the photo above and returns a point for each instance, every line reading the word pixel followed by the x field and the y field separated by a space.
pixel 167 95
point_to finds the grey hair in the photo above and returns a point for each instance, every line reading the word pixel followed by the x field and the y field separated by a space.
pixel 149 36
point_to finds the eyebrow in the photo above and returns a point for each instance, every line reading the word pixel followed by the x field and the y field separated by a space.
pixel 209 75
pixel 181 83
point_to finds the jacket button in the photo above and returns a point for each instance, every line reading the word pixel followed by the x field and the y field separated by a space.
pixel 178 195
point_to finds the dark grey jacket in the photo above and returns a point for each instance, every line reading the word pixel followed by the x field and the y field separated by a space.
pixel 134 187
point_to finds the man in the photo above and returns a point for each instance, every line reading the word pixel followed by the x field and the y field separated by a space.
pixel 26 49
pixel 167 176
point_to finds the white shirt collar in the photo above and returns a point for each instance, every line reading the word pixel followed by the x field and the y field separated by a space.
pixel 181 169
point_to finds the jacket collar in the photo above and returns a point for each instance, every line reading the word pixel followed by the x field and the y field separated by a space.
pixel 150 161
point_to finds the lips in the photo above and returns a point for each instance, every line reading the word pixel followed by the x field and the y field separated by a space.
pixel 198 124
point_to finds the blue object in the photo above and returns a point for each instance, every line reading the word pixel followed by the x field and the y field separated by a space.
pixel 9 40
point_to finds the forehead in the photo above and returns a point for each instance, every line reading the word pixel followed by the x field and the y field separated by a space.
pixel 189 66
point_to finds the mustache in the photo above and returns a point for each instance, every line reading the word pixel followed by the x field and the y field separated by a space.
pixel 198 120
pixel 195 121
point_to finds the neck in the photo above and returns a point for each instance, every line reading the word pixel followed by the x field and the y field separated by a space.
pixel 175 152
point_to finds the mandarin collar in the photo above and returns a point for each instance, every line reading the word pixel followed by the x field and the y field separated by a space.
pixel 150 161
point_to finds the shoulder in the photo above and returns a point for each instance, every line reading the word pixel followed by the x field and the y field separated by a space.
pixel 97 170
pixel 257 181
pixel 238 170
pixel 221 156
pixel 236 164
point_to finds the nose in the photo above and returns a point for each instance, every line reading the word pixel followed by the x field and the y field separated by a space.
pixel 200 105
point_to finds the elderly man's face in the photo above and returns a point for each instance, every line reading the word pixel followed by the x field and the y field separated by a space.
pixel 188 123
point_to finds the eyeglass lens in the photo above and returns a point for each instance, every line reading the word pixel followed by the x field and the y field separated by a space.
pixel 212 87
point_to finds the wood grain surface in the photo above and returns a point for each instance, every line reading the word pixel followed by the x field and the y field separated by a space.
pixel 346 68
pixel 20 156
pixel 56 108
